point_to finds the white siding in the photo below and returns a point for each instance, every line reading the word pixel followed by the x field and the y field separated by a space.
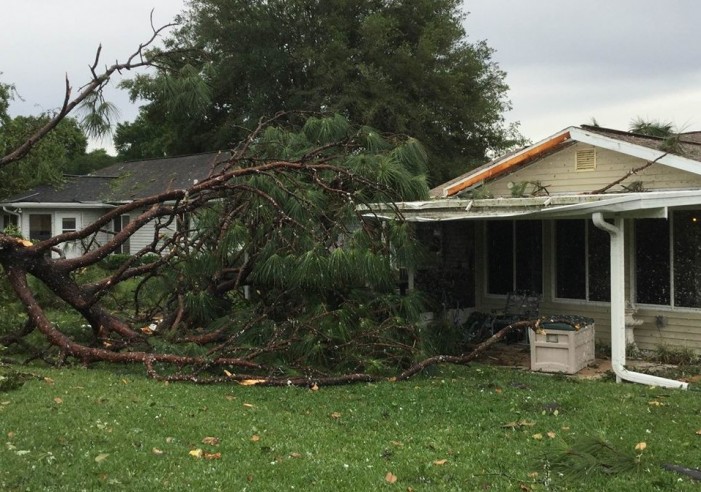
pixel 83 217
pixel 558 174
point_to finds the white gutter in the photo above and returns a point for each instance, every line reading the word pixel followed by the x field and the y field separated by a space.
pixel 15 213
pixel 54 205
pixel 618 305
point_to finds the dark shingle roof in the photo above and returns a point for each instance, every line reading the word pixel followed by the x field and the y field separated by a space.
pixel 127 181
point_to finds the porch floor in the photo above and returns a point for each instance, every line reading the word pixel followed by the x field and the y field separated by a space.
pixel 518 356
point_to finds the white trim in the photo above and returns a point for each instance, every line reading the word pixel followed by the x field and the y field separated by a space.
pixel 57 205
pixel 671 160
pixel 654 204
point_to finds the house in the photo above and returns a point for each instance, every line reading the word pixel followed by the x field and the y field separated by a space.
pixel 602 223
pixel 47 211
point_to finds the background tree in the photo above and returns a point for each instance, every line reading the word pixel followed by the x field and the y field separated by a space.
pixel 48 159
pixel 403 67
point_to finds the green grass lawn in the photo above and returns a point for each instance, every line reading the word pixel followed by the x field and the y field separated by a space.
pixel 464 428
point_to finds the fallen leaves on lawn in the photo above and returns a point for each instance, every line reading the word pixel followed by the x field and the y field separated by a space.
pixel 641 446
pixel 698 432
pixel 551 435
pixel 211 441
pixel 518 424
pixel 336 415
pixel 197 453
pixel 157 451
pixel 295 455
pixel 538 436
pixel 248 405
pixel 251 382
pixel 255 438
pixel 440 462
pixel 211 456
pixel 315 387
pixel 101 457
pixel 58 400
pixel 390 477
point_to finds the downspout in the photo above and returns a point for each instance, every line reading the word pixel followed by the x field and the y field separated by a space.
pixel 618 309
pixel 8 211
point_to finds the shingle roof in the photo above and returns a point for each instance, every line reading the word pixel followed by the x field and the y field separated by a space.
pixel 689 143
pixel 126 181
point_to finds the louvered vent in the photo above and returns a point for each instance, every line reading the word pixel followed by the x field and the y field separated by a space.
pixel 586 160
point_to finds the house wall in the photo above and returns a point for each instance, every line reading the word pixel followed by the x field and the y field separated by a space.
pixel 144 236
pixel 83 218
pixel 678 328
pixel 558 174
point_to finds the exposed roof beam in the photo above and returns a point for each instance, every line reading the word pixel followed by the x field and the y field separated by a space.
pixel 507 163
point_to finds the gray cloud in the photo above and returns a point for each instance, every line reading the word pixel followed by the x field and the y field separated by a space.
pixel 566 61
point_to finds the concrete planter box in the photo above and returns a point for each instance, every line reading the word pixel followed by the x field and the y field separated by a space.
pixel 562 350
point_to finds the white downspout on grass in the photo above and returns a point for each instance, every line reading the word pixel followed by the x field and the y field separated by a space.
pixel 618 309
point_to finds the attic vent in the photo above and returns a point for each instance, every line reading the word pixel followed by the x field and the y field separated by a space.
pixel 585 160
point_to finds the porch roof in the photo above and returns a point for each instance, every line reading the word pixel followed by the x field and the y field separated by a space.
pixel 642 205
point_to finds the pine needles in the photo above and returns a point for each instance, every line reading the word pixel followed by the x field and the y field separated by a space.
pixel 587 455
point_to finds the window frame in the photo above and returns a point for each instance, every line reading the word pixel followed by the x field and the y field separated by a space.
pixel 588 228
pixel 513 257
pixel 671 276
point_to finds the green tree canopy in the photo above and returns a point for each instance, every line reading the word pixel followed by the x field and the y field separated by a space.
pixel 47 161
pixel 400 66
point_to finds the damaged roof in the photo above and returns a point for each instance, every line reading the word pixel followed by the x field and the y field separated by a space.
pixel 682 151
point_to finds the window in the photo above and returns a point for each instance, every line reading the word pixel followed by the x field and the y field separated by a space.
pixel 668 260
pixel 514 256
pixel 582 261
pixel 687 258
pixel 9 220
pixel 68 224
pixel 39 227
pixel 652 261
pixel 118 224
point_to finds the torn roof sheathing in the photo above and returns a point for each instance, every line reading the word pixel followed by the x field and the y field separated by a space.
pixel 505 163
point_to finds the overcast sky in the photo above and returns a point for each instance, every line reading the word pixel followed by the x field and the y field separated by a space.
pixel 566 62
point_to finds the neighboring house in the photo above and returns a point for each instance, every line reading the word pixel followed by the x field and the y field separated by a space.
pixel 553 217
pixel 46 211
